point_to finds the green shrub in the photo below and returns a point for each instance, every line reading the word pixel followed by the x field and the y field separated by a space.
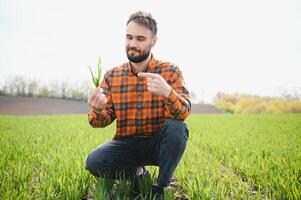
pixel 247 104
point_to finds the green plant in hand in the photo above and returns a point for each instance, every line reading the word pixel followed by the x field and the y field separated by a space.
pixel 96 77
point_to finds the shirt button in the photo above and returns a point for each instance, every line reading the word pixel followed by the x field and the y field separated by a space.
pixel 139 106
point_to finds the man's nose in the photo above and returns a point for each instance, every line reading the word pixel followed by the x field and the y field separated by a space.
pixel 133 43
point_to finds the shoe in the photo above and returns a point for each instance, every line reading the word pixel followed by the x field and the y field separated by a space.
pixel 157 192
pixel 136 184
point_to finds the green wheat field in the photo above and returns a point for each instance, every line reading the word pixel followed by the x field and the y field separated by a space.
pixel 227 157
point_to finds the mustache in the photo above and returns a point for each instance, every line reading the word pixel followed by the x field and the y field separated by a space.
pixel 133 48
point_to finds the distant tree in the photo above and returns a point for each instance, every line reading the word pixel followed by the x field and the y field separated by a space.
pixel 219 96
pixel 5 87
pixel 192 94
pixel 54 89
pixel 64 86
pixel 32 87
pixel 86 88
pixel 251 104
pixel 19 84
pixel 23 86
pixel 76 91
pixel 294 94
pixel 2 92
pixel 9 86
pixel 43 91
pixel 193 97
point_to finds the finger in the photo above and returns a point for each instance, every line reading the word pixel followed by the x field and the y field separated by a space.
pixel 102 101
pixel 148 75
pixel 154 83
pixel 102 104
pixel 94 108
pixel 88 101
pixel 96 94
pixel 99 90
pixel 151 89
pixel 92 96
pixel 94 101
pixel 149 79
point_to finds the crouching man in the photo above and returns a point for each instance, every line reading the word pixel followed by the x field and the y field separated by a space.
pixel 150 102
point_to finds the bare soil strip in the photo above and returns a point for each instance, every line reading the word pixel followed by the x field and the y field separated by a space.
pixel 40 106
pixel 11 105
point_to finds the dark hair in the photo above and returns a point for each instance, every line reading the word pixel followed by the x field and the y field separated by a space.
pixel 145 19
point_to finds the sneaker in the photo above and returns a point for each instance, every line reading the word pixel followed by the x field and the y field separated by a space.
pixel 157 192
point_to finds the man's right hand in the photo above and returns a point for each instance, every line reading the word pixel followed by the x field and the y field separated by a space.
pixel 97 100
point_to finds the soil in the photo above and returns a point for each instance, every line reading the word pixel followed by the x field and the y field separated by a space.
pixel 12 105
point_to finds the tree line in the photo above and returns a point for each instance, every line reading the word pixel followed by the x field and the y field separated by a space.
pixel 287 101
pixel 252 104
pixel 21 86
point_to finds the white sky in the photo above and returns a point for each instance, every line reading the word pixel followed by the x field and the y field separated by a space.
pixel 251 47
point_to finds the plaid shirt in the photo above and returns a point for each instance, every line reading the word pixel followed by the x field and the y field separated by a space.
pixel 139 112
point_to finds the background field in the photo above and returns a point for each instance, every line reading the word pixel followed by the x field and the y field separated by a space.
pixel 228 157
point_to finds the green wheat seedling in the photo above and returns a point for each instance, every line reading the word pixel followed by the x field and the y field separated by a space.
pixel 96 77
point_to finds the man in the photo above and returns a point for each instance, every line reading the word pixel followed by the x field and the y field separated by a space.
pixel 150 102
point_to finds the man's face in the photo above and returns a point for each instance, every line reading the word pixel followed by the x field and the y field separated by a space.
pixel 138 43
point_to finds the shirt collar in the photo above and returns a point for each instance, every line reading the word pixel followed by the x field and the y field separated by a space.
pixel 150 66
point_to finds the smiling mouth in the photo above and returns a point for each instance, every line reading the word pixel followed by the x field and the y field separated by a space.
pixel 133 52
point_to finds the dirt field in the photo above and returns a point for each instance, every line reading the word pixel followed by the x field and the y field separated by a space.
pixel 46 106
pixel 40 106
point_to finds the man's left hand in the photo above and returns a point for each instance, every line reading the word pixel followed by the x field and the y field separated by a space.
pixel 156 84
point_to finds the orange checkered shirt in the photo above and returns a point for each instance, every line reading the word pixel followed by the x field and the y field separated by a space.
pixel 139 112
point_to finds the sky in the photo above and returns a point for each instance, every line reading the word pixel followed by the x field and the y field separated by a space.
pixel 251 47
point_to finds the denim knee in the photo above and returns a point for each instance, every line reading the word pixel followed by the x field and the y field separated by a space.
pixel 175 134
pixel 94 165
pixel 178 128
pixel 90 165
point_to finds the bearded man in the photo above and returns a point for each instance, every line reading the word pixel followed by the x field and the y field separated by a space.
pixel 150 102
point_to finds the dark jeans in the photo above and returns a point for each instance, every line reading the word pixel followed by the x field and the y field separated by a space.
pixel 124 155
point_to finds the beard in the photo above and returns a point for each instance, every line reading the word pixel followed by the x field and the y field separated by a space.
pixel 139 58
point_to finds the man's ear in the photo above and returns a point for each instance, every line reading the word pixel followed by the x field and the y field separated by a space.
pixel 154 41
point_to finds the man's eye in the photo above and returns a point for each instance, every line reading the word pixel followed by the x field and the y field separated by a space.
pixel 141 38
pixel 129 37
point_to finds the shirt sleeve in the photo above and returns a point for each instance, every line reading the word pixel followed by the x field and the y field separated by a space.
pixel 107 115
pixel 177 105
